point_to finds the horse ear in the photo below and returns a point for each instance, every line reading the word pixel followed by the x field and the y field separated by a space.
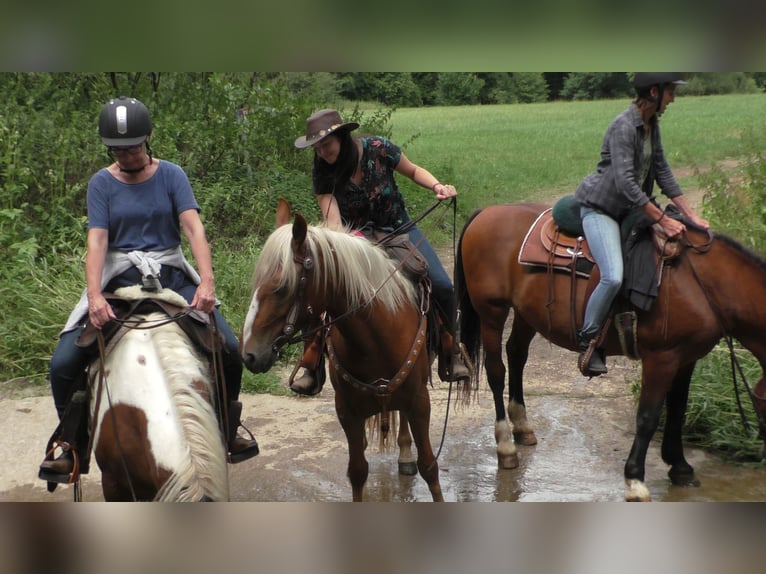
pixel 283 212
pixel 299 231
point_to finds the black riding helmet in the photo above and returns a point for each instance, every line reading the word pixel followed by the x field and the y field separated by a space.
pixel 643 82
pixel 124 122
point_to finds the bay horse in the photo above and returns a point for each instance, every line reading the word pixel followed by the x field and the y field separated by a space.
pixel 156 435
pixel 704 295
pixel 378 351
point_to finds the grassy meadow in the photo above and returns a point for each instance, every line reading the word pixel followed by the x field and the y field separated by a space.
pixel 508 153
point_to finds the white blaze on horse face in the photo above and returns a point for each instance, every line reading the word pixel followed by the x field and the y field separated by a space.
pixel 252 311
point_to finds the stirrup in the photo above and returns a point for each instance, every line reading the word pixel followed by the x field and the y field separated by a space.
pixel 590 362
pixel 52 476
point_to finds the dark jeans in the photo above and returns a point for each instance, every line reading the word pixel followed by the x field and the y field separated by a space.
pixel 69 361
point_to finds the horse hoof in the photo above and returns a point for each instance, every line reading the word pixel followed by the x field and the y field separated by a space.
pixel 527 438
pixel 408 468
pixel 507 461
pixel 636 491
pixel 683 479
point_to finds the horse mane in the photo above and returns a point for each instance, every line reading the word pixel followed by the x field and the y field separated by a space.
pixel 757 259
pixel 201 475
pixel 356 267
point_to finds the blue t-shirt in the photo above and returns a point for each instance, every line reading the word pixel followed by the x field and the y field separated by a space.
pixel 141 216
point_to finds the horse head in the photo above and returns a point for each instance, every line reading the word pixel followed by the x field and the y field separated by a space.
pixel 279 304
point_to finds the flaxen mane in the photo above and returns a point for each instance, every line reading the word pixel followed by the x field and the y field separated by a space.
pixel 356 267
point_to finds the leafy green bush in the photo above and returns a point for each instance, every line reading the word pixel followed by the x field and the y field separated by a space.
pixel 735 204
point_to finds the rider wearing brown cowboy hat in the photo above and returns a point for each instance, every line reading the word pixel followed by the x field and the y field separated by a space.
pixel 353 180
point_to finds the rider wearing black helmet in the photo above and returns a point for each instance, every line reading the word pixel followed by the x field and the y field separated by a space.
pixel 124 238
pixel 632 160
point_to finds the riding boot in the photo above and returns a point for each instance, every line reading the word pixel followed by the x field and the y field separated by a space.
pixel 592 361
pixel 452 367
pixel 311 381
pixel 240 448
pixel 72 437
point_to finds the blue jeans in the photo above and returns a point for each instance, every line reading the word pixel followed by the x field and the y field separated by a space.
pixel 441 284
pixel 603 235
pixel 69 361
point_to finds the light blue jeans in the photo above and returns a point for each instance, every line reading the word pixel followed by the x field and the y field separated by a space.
pixel 603 235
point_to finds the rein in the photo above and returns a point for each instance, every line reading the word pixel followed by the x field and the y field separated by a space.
pixel 736 367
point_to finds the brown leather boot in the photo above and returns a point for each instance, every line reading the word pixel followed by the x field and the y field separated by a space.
pixel 239 447
pixel 58 469
pixel 306 383
pixel 452 367
pixel 72 437
pixel 590 361
pixel 311 381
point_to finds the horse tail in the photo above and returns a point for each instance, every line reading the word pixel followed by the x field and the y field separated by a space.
pixel 203 475
pixel 469 322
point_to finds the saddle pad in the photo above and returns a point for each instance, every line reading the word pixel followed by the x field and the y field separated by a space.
pixel 545 245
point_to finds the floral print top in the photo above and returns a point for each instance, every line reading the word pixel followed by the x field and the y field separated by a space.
pixel 377 201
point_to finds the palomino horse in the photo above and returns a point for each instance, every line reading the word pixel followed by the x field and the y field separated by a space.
pixel 156 433
pixel 714 289
pixel 379 360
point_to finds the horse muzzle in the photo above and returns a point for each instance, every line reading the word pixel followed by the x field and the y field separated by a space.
pixel 260 362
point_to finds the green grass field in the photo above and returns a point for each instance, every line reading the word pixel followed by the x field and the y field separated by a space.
pixel 507 153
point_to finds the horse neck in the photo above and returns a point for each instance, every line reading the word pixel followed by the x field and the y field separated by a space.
pixel 734 285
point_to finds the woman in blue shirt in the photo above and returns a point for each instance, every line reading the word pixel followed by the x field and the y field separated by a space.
pixel 138 208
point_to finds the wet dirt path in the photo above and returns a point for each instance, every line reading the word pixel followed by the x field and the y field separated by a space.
pixel 584 430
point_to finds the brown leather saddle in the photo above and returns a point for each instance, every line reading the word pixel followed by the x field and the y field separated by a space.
pixel 547 245
pixel 195 324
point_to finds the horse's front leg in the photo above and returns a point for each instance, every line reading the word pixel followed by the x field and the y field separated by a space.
pixel 681 472
pixel 517 352
pixel 653 391
pixel 358 467
pixel 419 418
pixel 491 334
pixel 407 462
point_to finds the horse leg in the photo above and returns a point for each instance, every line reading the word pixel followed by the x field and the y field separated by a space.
pixel 358 467
pixel 650 403
pixel 419 418
pixel 681 473
pixel 517 352
pixel 491 335
pixel 407 462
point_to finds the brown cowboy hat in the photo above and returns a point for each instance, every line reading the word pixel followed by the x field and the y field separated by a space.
pixel 320 125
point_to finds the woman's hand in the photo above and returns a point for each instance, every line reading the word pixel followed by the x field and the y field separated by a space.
pixel 443 191
pixel 204 297
pixel 100 312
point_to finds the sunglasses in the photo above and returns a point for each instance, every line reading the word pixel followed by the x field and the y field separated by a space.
pixel 131 149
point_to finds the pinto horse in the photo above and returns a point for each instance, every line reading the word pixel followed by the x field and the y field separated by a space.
pixel 156 435
pixel 713 289
pixel 377 345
